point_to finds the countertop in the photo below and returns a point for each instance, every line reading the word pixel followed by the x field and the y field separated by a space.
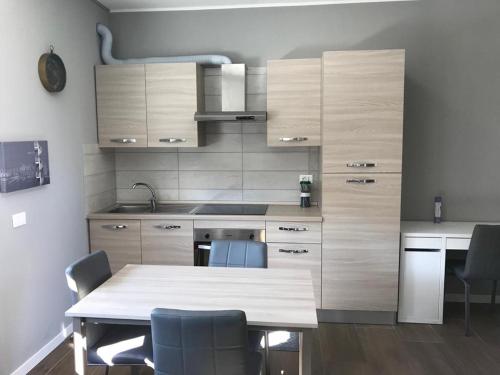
pixel 459 229
pixel 274 213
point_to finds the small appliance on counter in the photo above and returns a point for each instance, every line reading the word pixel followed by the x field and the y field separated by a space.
pixel 305 193
pixel 438 205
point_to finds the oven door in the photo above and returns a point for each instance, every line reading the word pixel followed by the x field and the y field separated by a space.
pixel 201 253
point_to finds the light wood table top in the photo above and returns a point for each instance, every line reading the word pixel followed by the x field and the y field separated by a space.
pixel 269 297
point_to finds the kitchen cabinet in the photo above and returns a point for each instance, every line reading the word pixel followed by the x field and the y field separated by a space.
pixel 360 250
pixel 167 242
pixel 362 111
pixel 298 256
pixel 174 93
pixel 120 239
pixel 293 102
pixel 297 232
pixel 121 105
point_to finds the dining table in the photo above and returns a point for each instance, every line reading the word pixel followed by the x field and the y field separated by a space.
pixel 272 299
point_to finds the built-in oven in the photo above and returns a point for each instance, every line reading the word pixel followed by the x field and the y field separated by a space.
pixel 203 240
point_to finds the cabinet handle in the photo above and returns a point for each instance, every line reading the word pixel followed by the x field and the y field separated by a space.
pixel 293 139
pixel 361 164
pixel 290 251
pixel 361 181
pixel 172 140
pixel 168 227
pixel 123 140
pixel 115 227
pixel 294 229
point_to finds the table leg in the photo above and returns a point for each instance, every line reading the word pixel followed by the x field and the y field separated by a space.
pixel 80 347
pixel 305 348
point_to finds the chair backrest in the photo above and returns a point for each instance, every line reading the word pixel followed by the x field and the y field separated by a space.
pixel 483 257
pixel 199 342
pixel 86 274
pixel 246 254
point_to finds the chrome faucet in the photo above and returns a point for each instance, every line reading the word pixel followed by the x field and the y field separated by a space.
pixel 153 199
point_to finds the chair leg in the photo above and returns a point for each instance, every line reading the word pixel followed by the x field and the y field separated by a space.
pixel 267 370
pixel 135 370
pixel 493 295
pixel 467 308
pixel 107 370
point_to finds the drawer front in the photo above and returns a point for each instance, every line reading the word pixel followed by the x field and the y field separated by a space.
pixel 293 232
pixel 298 256
pixel 121 240
pixel 430 243
pixel 167 242
pixel 457 243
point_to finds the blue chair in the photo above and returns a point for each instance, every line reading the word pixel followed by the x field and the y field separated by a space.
pixel 103 340
pixel 482 263
pixel 246 254
pixel 202 343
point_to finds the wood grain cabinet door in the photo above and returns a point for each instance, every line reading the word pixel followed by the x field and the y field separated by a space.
pixel 167 242
pixel 298 256
pixel 362 111
pixel 121 105
pixel 121 240
pixel 360 250
pixel 174 92
pixel 293 102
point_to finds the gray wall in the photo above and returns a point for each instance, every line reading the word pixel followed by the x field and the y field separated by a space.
pixel 33 291
pixel 453 54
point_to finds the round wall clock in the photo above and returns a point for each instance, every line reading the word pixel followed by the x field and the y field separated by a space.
pixel 52 71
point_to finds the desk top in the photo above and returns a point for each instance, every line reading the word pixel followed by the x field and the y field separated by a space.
pixel 269 297
pixel 459 229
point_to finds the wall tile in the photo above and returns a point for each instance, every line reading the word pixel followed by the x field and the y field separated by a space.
pixel 284 196
pixel 99 183
pixel 98 163
pixel 210 161
pixel 212 85
pixel 218 143
pixel 146 161
pixel 210 195
pixel 254 127
pixel 210 180
pixel 143 195
pixel 282 161
pixel 271 180
pixel 100 201
pixel 256 84
pixel 213 103
pixel 157 179
pixel 223 127
pixel 257 102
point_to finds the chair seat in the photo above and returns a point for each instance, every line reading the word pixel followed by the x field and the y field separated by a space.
pixel 122 345
pixel 254 363
pixel 456 267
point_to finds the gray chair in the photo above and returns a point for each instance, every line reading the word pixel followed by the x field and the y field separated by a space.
pixel 482 263
pixel 202 343
pixel 238 253
pixel 83 277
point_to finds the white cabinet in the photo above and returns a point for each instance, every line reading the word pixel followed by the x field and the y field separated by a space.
pixel 421 280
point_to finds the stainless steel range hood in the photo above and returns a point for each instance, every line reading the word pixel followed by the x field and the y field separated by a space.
pixel 233 95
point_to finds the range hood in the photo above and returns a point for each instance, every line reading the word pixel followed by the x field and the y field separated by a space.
pixel 233 95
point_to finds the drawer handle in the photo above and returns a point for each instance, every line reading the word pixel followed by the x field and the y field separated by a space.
pixel 294 229
pixel 361 164
pixel 172 140
pixel 168 227
pixel 123 140
pixel 293 139
pixel 290 251
pixel 115 227
pixel 361 181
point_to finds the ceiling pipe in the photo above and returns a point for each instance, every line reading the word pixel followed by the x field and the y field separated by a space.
pixel 108 59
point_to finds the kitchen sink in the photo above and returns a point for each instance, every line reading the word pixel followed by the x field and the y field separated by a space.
pixel 160 209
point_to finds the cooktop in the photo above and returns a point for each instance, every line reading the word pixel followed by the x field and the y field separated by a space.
pixel 232 209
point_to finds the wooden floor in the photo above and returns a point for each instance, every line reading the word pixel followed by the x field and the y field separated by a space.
pixel 375 350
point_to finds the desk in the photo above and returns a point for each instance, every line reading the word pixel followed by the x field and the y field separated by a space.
pixel 422 267
pixel 271 299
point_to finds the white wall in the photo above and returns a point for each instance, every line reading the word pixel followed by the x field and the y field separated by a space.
pixel 33 293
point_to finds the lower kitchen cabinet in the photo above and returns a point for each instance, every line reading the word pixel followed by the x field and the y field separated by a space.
pixel 167 242
pixel 120 239
pixel 298 256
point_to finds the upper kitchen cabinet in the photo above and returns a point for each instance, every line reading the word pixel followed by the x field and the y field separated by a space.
pixel 121 105
pixel 293 102
pixel 174 93
pixel 362 127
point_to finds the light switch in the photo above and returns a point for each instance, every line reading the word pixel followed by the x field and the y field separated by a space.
pixel 19 219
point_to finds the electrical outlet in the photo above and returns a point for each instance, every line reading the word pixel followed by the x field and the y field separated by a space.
pixel 306 177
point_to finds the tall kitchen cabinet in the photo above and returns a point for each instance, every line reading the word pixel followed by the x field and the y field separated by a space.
pixel 362 129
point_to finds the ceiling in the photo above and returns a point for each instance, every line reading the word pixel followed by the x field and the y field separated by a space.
pixel 175 5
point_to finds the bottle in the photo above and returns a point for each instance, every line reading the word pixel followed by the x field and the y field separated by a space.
pixel 438 202
pixel 305 194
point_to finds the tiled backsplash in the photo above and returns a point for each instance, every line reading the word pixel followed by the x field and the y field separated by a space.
pixel 235 165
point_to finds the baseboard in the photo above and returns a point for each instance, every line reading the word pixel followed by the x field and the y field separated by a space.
pixel 474 298
pixel 361 317
pixel 36 358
